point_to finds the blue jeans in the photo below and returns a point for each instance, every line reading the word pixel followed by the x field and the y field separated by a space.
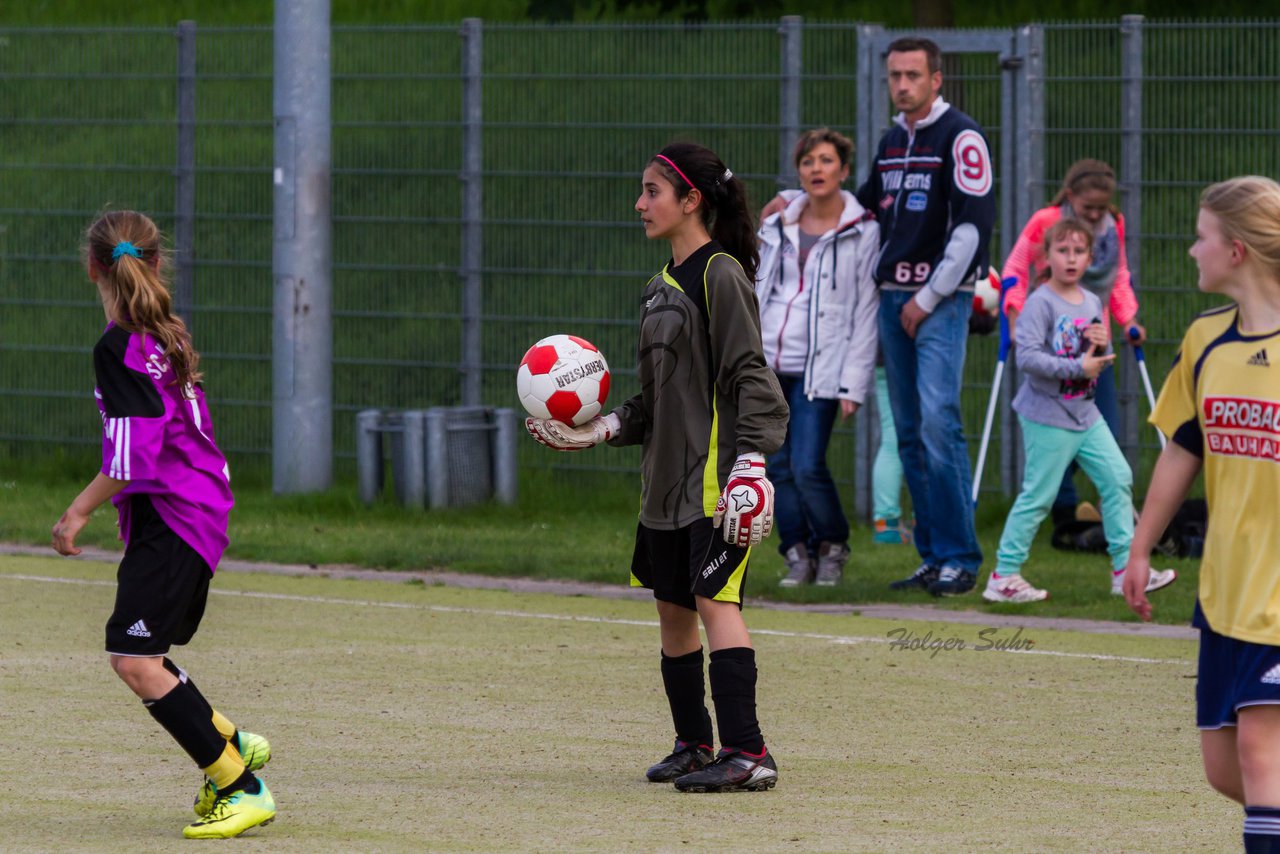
pixel 1109 405
pixel 924 377
pixel 806 504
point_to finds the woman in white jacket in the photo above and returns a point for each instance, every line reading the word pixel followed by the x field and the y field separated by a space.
pixel 818 310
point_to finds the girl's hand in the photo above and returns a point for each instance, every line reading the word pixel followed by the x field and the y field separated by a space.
pixel 1139 338
pixel 847 409
pixel 1136 574
pixel 1097 335
pixel 1093 365
pixel 65 531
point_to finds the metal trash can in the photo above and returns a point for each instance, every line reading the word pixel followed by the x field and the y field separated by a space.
pixel 440 457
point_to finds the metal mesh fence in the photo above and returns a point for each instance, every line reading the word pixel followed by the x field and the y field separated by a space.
pixel 570 115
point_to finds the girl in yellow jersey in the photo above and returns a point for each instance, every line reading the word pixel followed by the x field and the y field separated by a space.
pixel 1220 407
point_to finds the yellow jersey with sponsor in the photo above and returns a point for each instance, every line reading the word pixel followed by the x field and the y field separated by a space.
pixel 1222 403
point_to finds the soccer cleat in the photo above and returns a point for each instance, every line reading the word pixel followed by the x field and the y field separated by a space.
pixel 831 560
pixel 800 566
pixel 254 750
pixel 953 581
pixel 1012 588
pixel 891 532
pixel 920 579
pixel 733 771
pixel 234 813
pixel 1159 578
pixel 684 758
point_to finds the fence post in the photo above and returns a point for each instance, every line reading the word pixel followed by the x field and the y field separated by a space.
pixel 184 203
pixel 792 68
pixel 1028 194
pixel 868 61
pixel 1131 205
pixel 472 208
pixel 302 340
pixel 865 427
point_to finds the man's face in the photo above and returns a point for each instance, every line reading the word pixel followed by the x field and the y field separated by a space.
pixel 911 85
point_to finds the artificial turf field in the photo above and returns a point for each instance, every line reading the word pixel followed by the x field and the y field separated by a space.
pixel 406 717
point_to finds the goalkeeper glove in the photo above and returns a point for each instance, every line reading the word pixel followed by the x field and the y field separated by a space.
pixel 564 437
pixel 746 505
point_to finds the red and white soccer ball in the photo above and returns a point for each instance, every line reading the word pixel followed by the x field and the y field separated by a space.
pixel 563 377
pixel 986 293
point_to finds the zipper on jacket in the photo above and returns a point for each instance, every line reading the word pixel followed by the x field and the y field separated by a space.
pixel 786 315
pixel 906 163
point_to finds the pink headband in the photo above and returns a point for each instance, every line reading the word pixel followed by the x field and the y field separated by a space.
pixel 672 164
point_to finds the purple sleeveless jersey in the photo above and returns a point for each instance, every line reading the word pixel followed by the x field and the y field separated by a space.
pixel 161 441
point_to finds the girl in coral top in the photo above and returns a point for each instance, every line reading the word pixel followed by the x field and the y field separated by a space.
pixel 1087 195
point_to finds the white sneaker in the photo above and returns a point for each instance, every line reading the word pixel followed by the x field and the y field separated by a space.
pixel 1159 578
pixel 1012 588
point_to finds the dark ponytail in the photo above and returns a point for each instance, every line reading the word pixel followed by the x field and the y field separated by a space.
pixel 725 212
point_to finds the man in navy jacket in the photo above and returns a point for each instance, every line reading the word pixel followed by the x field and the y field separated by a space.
pixel 931 190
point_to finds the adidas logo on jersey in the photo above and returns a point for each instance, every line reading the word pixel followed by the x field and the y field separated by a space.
pixel 1272 676
pixel 139 630
pixel 1259 358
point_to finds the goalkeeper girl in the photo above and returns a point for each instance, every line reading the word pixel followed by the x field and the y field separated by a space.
pixel 170 485
pixel 1219 408
pixel 708 411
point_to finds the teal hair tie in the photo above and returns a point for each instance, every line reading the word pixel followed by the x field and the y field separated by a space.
pixel 124 247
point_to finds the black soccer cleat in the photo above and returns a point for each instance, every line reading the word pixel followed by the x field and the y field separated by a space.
pixel 918 580
pixel 684 759
pixel 733 771
pixel 953 581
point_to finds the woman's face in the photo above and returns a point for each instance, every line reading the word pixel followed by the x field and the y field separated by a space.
pixel 821 172
pixel 661 212
pixel 1090 206
pixel 1214 254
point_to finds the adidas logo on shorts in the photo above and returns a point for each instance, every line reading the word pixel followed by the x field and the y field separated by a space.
pixel 1272 676
pixel 1259 358
pixel 139 630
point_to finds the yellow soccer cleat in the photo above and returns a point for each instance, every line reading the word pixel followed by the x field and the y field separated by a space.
pixel 254 750
pixel 233 814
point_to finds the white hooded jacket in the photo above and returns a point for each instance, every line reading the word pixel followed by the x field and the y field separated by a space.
pixel 840 334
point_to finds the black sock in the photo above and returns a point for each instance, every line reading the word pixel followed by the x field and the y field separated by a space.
pixel 733 690
pixel 682 677
pixel 185 715
pixel 183 676
pixel 1262 830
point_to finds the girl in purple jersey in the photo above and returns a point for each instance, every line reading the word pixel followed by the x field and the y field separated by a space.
pixel 170 485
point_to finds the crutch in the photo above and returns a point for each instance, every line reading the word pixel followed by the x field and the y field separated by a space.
pixel 1146 378
pixel 995 388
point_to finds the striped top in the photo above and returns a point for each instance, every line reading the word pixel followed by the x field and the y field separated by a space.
pixel 160 440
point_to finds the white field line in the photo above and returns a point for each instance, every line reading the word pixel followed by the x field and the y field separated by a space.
pixel 846 640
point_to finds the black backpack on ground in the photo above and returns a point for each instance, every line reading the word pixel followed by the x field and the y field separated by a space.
pixel 1183 538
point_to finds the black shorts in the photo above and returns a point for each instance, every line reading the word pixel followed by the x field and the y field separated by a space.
pixel 690 561
pixel 161 587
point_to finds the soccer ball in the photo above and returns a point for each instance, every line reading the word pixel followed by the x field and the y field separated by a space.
pixel 563 377
pixel 986 293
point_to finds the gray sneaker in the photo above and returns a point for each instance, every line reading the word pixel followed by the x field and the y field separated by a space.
pixel 800 566
pixel 831 560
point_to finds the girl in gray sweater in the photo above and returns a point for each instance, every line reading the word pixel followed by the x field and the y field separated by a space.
pixel 1062 347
